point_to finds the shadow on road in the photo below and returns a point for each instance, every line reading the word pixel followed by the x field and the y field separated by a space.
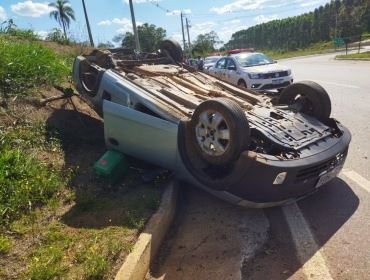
pixel 325 211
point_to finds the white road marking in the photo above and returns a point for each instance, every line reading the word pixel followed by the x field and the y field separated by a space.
pixel 338 84
pixel 357 178
pixel 309 254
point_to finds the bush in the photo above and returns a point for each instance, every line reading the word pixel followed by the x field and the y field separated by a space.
pixel 24 34
pixel 26 65
pixel 56 35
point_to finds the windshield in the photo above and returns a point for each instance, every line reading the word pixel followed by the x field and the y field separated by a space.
pixel 211 59
pixel 253 59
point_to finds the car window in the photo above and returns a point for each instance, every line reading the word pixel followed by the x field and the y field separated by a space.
pixel 252 59
pixel 211 59
pixel 230 62
pixel 221 63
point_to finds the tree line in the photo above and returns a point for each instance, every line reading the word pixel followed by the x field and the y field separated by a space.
pixel 337 19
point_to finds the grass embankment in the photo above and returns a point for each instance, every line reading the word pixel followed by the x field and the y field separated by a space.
pixel 364 55
pixel 318 48
pixel 57 219
pixel 26 65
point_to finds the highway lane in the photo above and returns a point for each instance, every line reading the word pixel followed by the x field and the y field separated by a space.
pixel 325 236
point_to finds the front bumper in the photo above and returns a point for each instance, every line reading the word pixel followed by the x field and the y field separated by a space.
pixel 256 187
pixel 269 84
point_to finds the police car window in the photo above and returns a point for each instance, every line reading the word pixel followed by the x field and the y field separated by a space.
pixel 221 63
pixel 253 59
pixel 230 62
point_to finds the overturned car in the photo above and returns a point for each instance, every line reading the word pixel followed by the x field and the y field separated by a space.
pixel 242 146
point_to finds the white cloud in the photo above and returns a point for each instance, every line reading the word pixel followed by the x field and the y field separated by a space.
pixel 178 12
pixel 203 27
pixel 3 15
pixel 105 22
pixel 225 32
pixel 42 34
pixel 31 9
pixel 238 6
pixel 311 3
pixel 177 37
pixel 261 18
pixel 245 5
pixel 234 21
pixel 125 24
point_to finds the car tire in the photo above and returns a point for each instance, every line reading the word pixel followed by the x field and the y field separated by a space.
pixel 173 48
pixel 242 84
pixel 314 99
pixel 220 131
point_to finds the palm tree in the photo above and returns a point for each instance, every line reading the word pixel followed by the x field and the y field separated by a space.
pixel 62 13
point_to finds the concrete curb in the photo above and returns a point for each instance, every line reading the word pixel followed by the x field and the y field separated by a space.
pixel 138 261
pixel 355 59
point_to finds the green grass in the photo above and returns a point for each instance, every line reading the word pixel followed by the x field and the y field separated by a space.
pixel 26 65
pixel 25 181
pixel 364 55
pixel 45 264
pixel 5 244
pixel 317 48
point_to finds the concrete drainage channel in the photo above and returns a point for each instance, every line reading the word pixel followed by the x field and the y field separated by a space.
pixel 210 239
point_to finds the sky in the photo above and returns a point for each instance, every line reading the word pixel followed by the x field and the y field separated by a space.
pixel 111 17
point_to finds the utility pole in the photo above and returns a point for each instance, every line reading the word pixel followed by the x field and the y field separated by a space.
pixel 182 28
pixel 137 44
pixel 187 29
pixel 336 25
pixel 88 24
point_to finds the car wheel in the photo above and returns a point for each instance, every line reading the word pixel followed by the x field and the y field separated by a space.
pixel 307 97
pixel 173 48
pixel 220 131
pixel 242 84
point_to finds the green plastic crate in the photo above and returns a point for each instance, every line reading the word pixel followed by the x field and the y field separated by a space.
pixel 112 166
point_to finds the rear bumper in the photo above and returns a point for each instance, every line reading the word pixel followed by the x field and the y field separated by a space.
pixel 256 186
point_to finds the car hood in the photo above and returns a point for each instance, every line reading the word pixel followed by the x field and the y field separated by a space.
pixel 269 68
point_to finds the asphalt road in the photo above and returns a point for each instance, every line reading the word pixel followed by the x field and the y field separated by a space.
pixel 325 236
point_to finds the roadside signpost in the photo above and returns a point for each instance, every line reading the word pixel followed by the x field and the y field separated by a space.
pixel 339 41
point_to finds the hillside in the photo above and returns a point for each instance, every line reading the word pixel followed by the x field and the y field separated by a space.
pixel 346 18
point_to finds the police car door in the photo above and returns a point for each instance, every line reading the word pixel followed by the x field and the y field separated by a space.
pixel 219 69
pixel 231 75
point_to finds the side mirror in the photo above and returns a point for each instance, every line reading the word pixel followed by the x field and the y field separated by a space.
pixel 275 61
pixel 231 68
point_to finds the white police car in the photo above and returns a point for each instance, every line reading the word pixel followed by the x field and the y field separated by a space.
pixel 252 70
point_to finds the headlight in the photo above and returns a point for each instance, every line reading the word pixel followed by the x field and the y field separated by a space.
pixel 253 76
pixel 289 72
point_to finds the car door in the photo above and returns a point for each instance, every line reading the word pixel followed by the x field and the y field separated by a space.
pixel 231 71
pixel 140 135
pixel 219 69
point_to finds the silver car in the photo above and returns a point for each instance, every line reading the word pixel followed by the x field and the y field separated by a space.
pixel 252 70
pixel 239 145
